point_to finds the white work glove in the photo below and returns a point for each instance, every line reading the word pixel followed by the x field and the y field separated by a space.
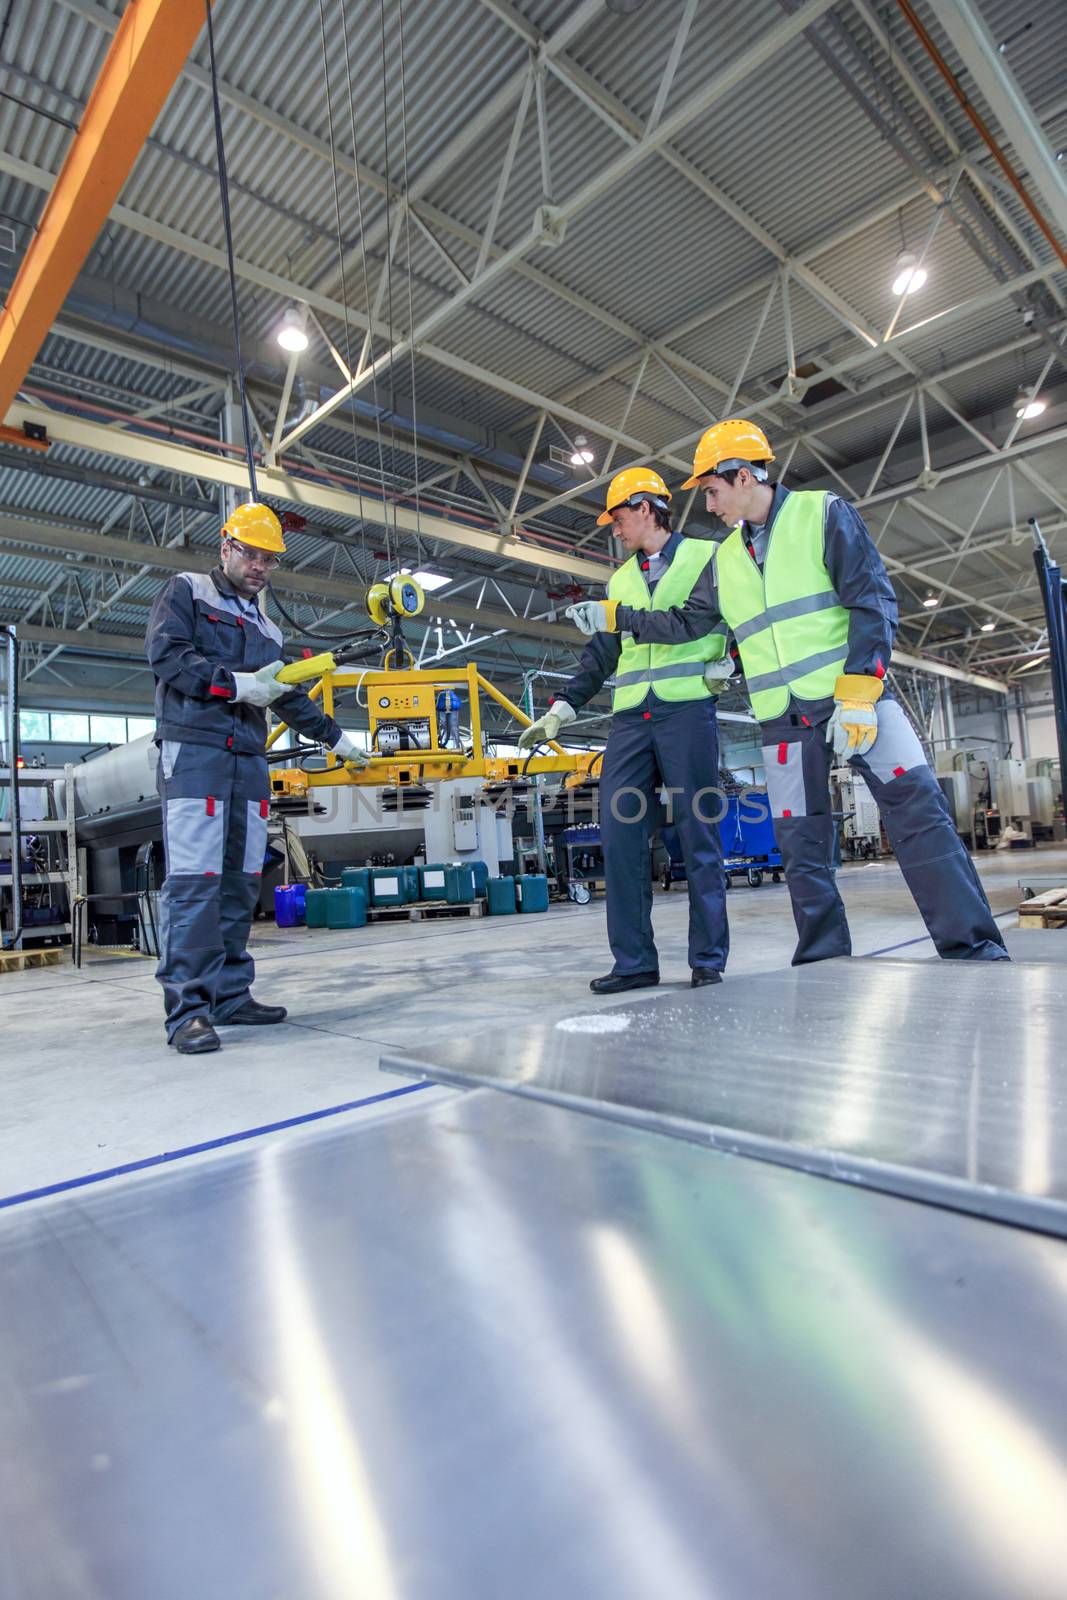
pixel 593 616
pixel 717 674
pixel 853 727
pixel 355 759
pixel 546 728
pixel 261 688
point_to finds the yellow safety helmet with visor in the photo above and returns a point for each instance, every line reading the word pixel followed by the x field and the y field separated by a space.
pixel 628 483
pixel 256 525
pixel 735 441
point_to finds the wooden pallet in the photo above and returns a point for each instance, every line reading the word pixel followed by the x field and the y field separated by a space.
pixel 19 960
pixel 1048 910
pixel 424 910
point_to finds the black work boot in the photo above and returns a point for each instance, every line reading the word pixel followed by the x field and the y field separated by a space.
pixel 616 982
pixel 195 1037
pixel 703 975
pixel 250 1011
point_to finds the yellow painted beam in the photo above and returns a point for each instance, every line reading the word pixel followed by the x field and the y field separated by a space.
pixel 148 51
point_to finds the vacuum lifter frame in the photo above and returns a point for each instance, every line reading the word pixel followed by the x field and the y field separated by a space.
pixel 396 696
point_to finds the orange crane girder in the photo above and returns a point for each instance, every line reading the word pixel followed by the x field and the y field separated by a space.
pixel 149 49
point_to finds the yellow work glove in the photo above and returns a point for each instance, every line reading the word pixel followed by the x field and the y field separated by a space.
pixel 853 728
pixel 593 616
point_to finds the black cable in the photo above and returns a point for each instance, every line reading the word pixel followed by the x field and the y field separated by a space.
pixel 310 633
pixel 224 194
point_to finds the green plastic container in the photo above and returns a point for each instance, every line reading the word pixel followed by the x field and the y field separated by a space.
pixel 387 886
pixel 500 893
pixel 432 881
pixel 459 884
pixel 481 876
pixel 410 876
pixel 317 901
pixel 533 891
pixel 346 908
pixel 357 878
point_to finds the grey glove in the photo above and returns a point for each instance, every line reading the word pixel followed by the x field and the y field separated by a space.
pixel 355 759
pixel 718 673
pixel 261 688
pixel 593 616
pixel 545 729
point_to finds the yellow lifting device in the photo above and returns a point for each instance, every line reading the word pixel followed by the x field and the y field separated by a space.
pixel 401 704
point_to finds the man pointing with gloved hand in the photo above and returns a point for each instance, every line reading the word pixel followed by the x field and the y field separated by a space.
pixel 667 670
pixel 216 657
pixel 800 583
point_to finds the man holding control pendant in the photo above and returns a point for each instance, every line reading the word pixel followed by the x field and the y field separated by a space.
pixel 216 655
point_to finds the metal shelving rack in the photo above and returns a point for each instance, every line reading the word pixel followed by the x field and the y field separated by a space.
pixel 60 824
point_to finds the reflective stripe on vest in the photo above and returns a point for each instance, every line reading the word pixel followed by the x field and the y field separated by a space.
pixel 790 627
pixel 670 671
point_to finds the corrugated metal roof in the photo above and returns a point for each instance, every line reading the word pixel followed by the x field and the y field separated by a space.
pixel 650 258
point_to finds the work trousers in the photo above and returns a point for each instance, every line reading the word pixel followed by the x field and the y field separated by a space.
pixel 215 808
pixel 936 867
pixel 678 752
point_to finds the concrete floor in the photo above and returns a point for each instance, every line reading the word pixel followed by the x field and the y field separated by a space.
pixel 87 1083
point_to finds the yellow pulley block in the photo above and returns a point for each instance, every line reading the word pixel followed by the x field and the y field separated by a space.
pixel 311 667
pixel 406 595
pixel 378 603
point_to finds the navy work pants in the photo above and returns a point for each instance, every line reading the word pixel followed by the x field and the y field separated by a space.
pixel 936 867
pixel 678 752
pixel 215 837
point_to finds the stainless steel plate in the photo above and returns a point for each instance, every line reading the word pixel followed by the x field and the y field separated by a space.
pixel 940 1081
pixel 497 1349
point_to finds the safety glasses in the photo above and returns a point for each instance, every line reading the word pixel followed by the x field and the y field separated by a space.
pixel 257 557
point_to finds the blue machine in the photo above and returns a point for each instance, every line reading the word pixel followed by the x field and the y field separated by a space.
pixel 749 847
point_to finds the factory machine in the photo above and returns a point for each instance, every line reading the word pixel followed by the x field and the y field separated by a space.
pixel 417 799
pixel 855 807
pixel 987 795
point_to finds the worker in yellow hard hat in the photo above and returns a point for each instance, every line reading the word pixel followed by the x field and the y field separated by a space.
pixel 802 588
pixel 216 656
pixel 663 732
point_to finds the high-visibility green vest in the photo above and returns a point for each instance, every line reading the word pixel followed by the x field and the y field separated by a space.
pixel 790 627
pixel 671 671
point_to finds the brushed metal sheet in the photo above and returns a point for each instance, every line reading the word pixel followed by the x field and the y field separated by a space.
pixel 499 1349
pixel 938 1081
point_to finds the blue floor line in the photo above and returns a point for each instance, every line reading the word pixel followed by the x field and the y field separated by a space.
pixel 209 1144
pixel 289 1122
pixel 922 937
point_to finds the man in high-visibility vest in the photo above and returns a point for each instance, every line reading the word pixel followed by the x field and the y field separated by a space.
pixel 807 598
pixel 663 729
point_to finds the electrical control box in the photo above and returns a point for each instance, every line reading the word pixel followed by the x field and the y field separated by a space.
pixel 464 821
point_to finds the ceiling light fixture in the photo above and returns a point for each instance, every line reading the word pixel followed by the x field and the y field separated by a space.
pixel 988 627
pixel 930 601
pixel 291 334
pixel 581 456
pixel 1029 405
pixel 909 276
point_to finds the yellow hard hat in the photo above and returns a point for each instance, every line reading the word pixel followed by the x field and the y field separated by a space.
pixel 633 480
pixel 256 525
pixel 728 441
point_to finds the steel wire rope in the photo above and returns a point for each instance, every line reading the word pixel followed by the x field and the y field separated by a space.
pixel 341 270
pixel 366 272
pixel 390 251
pixel 410 275
pixel 224 195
